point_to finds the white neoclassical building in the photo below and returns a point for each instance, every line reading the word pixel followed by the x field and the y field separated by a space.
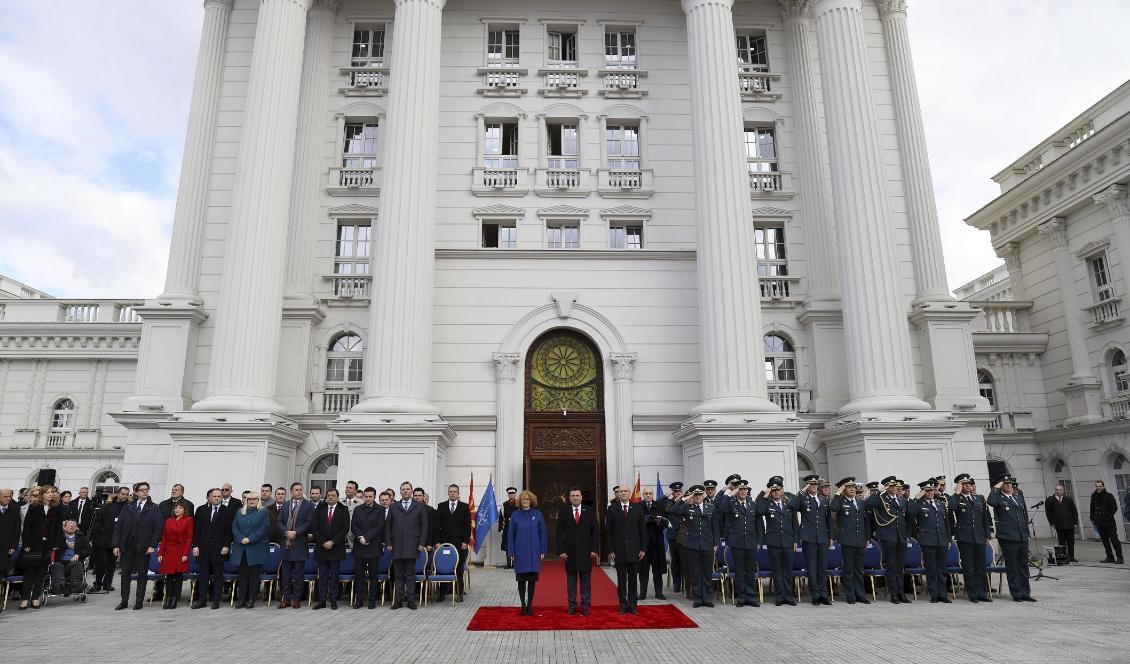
pixel 544 243
pixel 1052 344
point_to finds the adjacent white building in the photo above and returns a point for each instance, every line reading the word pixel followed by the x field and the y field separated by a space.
pixel 1052 341
pixel 420 240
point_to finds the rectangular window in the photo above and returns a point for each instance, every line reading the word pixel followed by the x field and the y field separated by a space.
pixel 563 148
pixel 562 235
pixel 625 236
pixel 620 49
pixel 1100 278
pixel 502 46
pixel 500 235
pixel 360 146
pixel 760 150
pixel 561 47
pixel 769 242
pixel 500 145
pixel 623 147
pixel 368 46
pixel 354 242
pixel 752 56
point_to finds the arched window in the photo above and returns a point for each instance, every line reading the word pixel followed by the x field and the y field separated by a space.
pixel 323 474
pixel 62 423
pixel 780 372
pixel 1121 484
pixel 985 387
pixel 344 373
pixel 1119 374
pixel 107 480
pixel 803 467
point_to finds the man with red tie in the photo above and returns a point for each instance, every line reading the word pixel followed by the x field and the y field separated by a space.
pixel 626 533
pixel 577 545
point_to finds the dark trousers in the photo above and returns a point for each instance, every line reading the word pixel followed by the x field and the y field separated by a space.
pixel 104 561
pixel 699 569
pixel 34 569
pixel 854 587
pixel 366 580
pixel 654 563
pixel 404 575
pixel 894 566
pixel 328 579
pixel 676 564
pixel 816 562
pixel 973 570
pixel 572 580
pixel 781 558
pixel 1067 539
pixel 291 573
pixel 1016 567
pixel 66 575
pixel 934 560
pixel 626 589
pixel 745 575
pixel 210 582
pixel 134 562
pixel 1109 536
pixel 247 587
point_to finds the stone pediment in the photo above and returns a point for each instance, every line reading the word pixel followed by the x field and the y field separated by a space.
pixel 499 210
pixel 626 211
pixel 772 212
pixel 354 210
pixel 563 211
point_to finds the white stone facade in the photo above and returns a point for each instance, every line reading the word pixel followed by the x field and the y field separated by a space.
pixel 680 175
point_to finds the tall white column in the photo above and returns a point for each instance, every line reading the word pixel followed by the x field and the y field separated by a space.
pixel 183 276
pixel 398 357
pixel 507 446
pixel 880 368
pixel 245 342
pixel 1117 201
pixel 921 208
pixel 623 468
pixel 733 380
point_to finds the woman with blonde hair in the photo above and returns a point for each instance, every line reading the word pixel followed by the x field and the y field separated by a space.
pixel 250 548
pixel 526 545
pixel 42 537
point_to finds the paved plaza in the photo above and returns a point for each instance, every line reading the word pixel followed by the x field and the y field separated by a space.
pixel 1082 618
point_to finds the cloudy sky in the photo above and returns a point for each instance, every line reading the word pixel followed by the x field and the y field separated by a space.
pixel 93 105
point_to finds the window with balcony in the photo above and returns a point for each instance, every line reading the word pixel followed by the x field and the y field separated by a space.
pixel 1120 375
pixel 761 158
pixel 345 360
pixel 563 145
pixel 622 142
pixel 502 46
pixel 625 236
pixel 752 54
pixel 986 388
pixel 351 259
pixel 500 145
pixel 772 262
pixel 561 47
pixel 358 155
pixel 500 234
pixel 62 423
pixel 368 45
pixel 1101 288
pixel 780 371
pixel 620 48
pixel 562 235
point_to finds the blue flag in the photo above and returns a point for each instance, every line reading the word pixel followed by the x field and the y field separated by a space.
pixel 486 516
pixel 659 496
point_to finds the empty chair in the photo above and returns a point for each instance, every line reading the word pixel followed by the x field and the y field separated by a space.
pixel 444 568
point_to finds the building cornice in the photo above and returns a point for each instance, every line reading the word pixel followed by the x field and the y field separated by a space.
pixel 567 254
pixel 69 340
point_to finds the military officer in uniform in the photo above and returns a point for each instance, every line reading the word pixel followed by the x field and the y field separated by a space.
pixel 780 537
pixel 700 540
pixel 889 511
pixel 929 524
pixel 508 509
pixel 852 532
pixel 872 490
pixel 711 488
pixel 729 491
pixel 1012 531
pixel 665 503
pixel 741 528
pixel 814 531
pixel 972 527
pixel 940 492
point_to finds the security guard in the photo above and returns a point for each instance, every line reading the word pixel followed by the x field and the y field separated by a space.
pixel 815 527
pixel 742 531
pixel 1012 531
pixel 665 503
pixel 700 540
pixel 889 511
pixel 930 526
pixel 972 527
pixel 852 532
pixel 780 537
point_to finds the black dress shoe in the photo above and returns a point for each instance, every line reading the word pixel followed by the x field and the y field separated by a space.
pixel 985 599
pixel 825 601
pixel 136 605
pixel 623 610
pixel 199 605
pixel 333 606
pixel 215 605
pixel 662 597
pixel 396 605
pixel 643 596
pixel 790 602
pixel 572 611
pixel 753 603
pixel 585 611
pixel 895 600
pixel 863 600
pixel 815 601
pixel 945 600
pixel 974 600
pixel 1018 599
pixel 709 605
pixel 121 605
pixel 319 605
pixel 933 600
pixel 1028 599
pixel 851 601
pixel 372 604
pixel 904 599
pixel 412 605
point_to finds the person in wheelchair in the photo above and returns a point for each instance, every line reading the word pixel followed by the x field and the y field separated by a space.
pixel 68 572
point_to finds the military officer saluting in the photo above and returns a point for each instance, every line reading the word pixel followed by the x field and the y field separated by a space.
pixel 972 527
pixel 889 510
pixel 700 540
pixel 1012 532
pixel 815 527
pixel 727 492
pixel 673 548
pixel 711 488
pixel 930 526
pixel 741 528
pixel 780 537
pixel 853 530
pixel 940 492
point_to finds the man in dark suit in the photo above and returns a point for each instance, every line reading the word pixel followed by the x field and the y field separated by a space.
pixel 1063 516
pixel 672 533
pixel 453 526
pixel 626 534
pixel 331 526
pixel 1104 511
pixel 9 530
pixel 294 524
pixel 1012 532
pixel 211 539
pixel 82 510
pixel 507 511
pixel 420 496
pixel 136 536
pixel 655 553
pixel 972 527
pixel 406 534
pixel 176 497
pixel 578 546
pixel 274 535
pixel 228 500
pixel 368 527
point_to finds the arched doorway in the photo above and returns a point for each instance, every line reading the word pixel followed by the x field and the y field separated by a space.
pixel 564 422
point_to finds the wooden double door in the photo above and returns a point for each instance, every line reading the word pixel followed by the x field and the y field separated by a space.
pixel 563 451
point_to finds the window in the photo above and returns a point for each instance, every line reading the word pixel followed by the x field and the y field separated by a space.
pixel 562 235
pixel 760 150
pixel 561 47
pixel 500 145
pixel 62 422
pixel 985 387
pixel 780 361
pixel 620 48
pixel 502 46
pixel 769 242
pixel 345 359
pixel 368 46
pixel 623 146
pixel 500 235
pixel 1100 278
pixel 360 146
pixel 804 468
pixel 107 479
pixel 752 55
pixel 352 258
pixel 563 145
pixel 1119 374
pixel 323 474
pixel 625 236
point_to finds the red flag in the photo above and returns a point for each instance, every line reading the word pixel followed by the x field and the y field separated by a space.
pixel 471 505
pixel 636 495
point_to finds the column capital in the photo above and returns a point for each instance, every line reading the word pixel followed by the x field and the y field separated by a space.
pixel 795 9
pixel 825 6
pixel 889 7
pixel 506 365
pixel 1008 251
pixel 623 364
pixel 1115 199
pixel 226 4
pixel 324 6
pixel 438 4
pixel 691 5
pixel 1056 230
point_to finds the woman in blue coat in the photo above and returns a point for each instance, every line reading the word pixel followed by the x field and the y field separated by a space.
pixel 250 548
pixel 526 546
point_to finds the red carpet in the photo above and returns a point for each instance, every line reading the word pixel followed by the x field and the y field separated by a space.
pixel 552 582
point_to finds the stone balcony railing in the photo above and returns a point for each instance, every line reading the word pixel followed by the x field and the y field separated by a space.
pixel 777 288
pixel 562 182
pixel 1001 316
pixel 758 85
pixel 616 183
pixel 350 286
pixel 771 185
pixel 500 181
pixel 1016 421
pixel 786 399
pixel 337 399
pixel 502 81
pixel 1120 407
pixel 1105 313
pixel 59 439
pixel 562 82
pixel 343 181
pixel 622 83
pixel 70 311
pixel 364 81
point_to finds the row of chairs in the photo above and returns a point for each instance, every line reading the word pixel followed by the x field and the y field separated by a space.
pixel 872 567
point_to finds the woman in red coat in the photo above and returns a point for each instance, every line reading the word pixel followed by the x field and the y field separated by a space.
pixel 176 544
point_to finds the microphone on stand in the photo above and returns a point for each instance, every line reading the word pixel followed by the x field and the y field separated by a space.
pixel 1038 504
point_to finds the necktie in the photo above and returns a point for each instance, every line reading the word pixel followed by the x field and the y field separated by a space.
pixel 453 507
pixel 577 515
pixel 625 509
pixel 700 510
pixel 330 515
pixel 214 513
pixel 404 504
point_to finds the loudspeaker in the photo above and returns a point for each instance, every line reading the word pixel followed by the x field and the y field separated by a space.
pixel 46 477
